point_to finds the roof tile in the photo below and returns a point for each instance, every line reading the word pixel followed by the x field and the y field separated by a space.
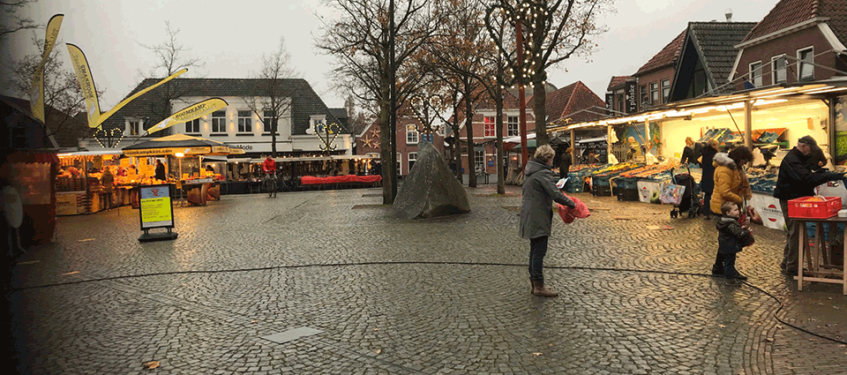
pixel 667 56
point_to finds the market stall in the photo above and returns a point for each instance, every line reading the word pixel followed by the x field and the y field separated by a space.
pixel 79 183
pixel 244 175
pixel 184 156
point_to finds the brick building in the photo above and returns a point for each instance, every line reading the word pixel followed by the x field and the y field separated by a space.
pixel 410 133
pixel 780 47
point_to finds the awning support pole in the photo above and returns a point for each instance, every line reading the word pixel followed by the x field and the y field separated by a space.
pixel 748 124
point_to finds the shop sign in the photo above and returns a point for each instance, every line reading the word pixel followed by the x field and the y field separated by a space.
pixel 243 147
pixel 631 98
pixel 156 208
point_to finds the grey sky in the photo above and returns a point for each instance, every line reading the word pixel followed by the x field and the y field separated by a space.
pixel 230 37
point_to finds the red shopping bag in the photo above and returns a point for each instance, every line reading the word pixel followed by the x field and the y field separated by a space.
pixel 568 214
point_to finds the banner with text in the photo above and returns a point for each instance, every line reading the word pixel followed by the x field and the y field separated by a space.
pixel 191 112
pixel 36 94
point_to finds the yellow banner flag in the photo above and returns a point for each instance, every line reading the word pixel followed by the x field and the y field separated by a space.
pixel 86 84
pixel 191 112
pixel 36 94
pixel 120 105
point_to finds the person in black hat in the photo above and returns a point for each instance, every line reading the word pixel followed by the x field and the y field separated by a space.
pixel 796 180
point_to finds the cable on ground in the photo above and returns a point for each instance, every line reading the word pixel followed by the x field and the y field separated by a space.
pixel 611 269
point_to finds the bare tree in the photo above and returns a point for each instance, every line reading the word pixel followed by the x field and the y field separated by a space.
pixel 171 57
pixel 11 21
pixel 275 97
pixel 360 41
pixel 63 98
pixel 553 31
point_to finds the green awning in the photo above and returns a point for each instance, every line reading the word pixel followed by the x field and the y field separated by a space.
pixel 530 143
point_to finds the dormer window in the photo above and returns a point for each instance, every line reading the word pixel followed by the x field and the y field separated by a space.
pixel 133 126
pixel 318 123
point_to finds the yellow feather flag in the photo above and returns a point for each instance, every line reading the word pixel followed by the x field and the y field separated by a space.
pixel 36 94
pixel 191 112
pixel 86 83
pixel 120 105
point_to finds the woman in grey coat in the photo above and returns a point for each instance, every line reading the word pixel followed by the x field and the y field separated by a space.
pixel 539 192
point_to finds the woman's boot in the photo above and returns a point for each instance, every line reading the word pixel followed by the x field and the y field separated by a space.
pixel 539 290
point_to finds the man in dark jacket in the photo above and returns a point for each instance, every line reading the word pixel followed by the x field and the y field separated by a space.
pixel 160 171
pixel 565 161
pixel 796 180
pixel 539 192
pixel 707 182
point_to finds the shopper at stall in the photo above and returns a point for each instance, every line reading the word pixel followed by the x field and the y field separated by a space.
pixel 565 161
pixel 539 192
pixel 589 157
pixel 731 183
pixel 796 180
pixel 707 182
pixel 160 171
pixel 107 180
pixel 634 149
pixel 691 152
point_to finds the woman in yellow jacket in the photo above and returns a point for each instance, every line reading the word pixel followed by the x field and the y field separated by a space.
pixel 731 182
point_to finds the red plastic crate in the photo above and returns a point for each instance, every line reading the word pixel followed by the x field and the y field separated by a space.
pixel 814 208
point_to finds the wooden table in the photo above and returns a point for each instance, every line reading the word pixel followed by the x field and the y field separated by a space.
pixel 817 269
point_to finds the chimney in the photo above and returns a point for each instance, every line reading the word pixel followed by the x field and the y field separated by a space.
pixel 728 15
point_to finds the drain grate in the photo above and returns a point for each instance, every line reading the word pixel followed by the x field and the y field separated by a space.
pixel 292 334
pixel 359 206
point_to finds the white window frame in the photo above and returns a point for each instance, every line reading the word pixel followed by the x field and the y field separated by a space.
pixel 188 123
pixel 217 122
pixel 315 120
pixel 245 123
pixel 517 126
pixel 485 122
pixel 664 87
pixel 399 163
pixel 654 93
pixel 800 77
pixel 412 158
pixel 774 70
pixel 756 77
pixel 412 134
pixel 644 92
pixel 138 126
pixel 479 158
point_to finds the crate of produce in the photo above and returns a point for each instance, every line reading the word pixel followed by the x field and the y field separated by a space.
pixel 627 195
pixel 575 186
pixel 601 191
pixel 814 207
pixel 627 182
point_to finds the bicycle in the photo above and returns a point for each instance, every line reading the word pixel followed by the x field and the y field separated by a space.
pixel 270 184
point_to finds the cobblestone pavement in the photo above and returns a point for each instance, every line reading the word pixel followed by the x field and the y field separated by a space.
pixel 431 315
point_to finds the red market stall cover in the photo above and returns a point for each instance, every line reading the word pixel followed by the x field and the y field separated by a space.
pixel 311 180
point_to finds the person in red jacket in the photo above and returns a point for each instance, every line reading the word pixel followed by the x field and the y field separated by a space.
pixel 269 166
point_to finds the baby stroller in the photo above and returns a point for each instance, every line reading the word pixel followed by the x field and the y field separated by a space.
pixel 688 201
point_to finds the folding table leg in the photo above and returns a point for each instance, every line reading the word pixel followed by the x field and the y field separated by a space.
pixel 802 250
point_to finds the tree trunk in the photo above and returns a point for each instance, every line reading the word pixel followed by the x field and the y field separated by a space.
pixel 469 127
pixel 274 126
pixel 501 177
pixel 539 103
pixel 385 142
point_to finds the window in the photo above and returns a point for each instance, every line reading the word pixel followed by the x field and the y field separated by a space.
pixel 645 98
pixel 489 127
pixel 134 127
pixel 219 122
pixel 513 126
pixel 269 120
pixel 192 126
pixel 245 122
pixel 806 71
pixel 412 157
pixel 654 93
pixel 411 134
pixel 666 90
pixel 320 127
pixel 620 107
pixel 778 74
pixel 756 73
pixel 399 161
pixel 425 138
pixel 479 160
